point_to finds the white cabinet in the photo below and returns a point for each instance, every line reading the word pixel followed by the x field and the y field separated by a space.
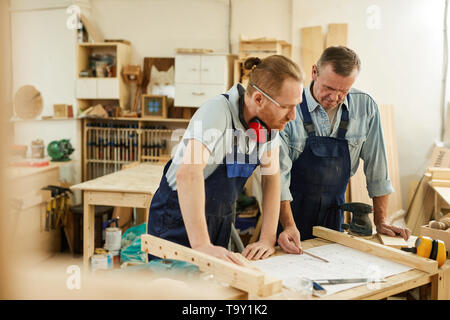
pixel 98 89
pixel 201 77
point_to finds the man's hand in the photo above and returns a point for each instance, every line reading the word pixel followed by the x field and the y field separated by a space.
pixel 219 252
pixel 289 240
pixel 258 250
pixel 390 230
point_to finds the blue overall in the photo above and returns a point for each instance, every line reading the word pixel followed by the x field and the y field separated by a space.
pixel 319 177
pixel 222 189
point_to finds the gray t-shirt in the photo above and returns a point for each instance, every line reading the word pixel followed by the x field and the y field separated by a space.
pixel 212 125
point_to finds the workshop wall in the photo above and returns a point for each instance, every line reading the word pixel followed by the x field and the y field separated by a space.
pixel 401 64
pixel 156 28
pixel 401 55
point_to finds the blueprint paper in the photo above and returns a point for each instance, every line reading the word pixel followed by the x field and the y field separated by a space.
pixel 344 263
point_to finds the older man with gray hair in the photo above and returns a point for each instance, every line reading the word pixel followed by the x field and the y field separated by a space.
pixel 336 125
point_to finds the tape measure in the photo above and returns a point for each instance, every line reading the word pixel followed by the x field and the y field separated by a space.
pixel 429 248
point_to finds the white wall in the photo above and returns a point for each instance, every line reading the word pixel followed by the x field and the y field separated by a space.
pixel 43 55
pixel 401 62
pixel 43 51
pixel 157 27
pixel 401 65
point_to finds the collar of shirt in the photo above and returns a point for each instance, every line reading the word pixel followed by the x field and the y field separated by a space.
pixel 312 102
pixel 233 94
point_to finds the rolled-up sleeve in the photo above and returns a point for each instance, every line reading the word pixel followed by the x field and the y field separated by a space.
pixel 373 153
pixel 285 165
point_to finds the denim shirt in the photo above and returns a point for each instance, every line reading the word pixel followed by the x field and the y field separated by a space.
pixel 364 135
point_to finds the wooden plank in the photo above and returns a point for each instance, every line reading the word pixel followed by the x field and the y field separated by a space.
pixel 440 183
pixel 447 125
pixel 92 29
pixel 242 278
pixel 421 207
pixel 438 173
pixel 393 242
pixel 312 45
pixel 389 131
pixel 377 249
pixel 336 35
pixel 395 284
pixel 119 199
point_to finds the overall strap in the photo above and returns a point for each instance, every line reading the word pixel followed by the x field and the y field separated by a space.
pixel 307 121
pixel 342 130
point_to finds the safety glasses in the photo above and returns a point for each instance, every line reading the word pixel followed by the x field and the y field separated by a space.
pixel 270 98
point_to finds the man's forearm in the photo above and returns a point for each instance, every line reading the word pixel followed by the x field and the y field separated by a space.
pixel 271 206
pixel 191 196
pixel 286 217
pixel 380 206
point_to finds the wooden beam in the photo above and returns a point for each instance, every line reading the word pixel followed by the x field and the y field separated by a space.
pixel 439 173
pixel 312 45
pixel 336 35
pixel 379 250
pixel 243 278
pixel 119 199
pixel 393 242
pixel 440 183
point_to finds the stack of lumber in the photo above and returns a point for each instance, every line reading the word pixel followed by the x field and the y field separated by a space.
pixel 422 205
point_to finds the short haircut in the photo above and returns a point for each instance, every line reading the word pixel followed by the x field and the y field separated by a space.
pixel 269 73
pixel 343 60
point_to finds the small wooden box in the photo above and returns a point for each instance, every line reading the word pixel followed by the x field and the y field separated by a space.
pixel 264 48
pixel 154 106
pixel 62 111
pixel 443 235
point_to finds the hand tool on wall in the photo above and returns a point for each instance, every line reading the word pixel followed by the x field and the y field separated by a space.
pixel 429 248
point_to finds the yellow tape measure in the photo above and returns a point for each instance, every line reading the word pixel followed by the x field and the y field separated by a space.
pixel 429 248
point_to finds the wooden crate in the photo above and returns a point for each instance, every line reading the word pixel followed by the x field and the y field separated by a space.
pixel 264 48
pixel 62 111
pixel 154 106
pixel 443 235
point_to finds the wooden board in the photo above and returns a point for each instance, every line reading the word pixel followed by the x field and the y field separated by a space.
pixel 447 125
pixel 439 173
pixel 336 35
pixel 421 208
pixel 92 29
pixel 312 45
pixel 393 242
pixel 243 278
pixel 377 249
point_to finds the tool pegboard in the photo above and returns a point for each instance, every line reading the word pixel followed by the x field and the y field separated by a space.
pixel 108 144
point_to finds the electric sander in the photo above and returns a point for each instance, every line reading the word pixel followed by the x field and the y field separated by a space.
pixel 360 224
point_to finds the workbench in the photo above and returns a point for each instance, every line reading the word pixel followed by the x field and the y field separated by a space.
pixel 440 281
pixel 133 187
